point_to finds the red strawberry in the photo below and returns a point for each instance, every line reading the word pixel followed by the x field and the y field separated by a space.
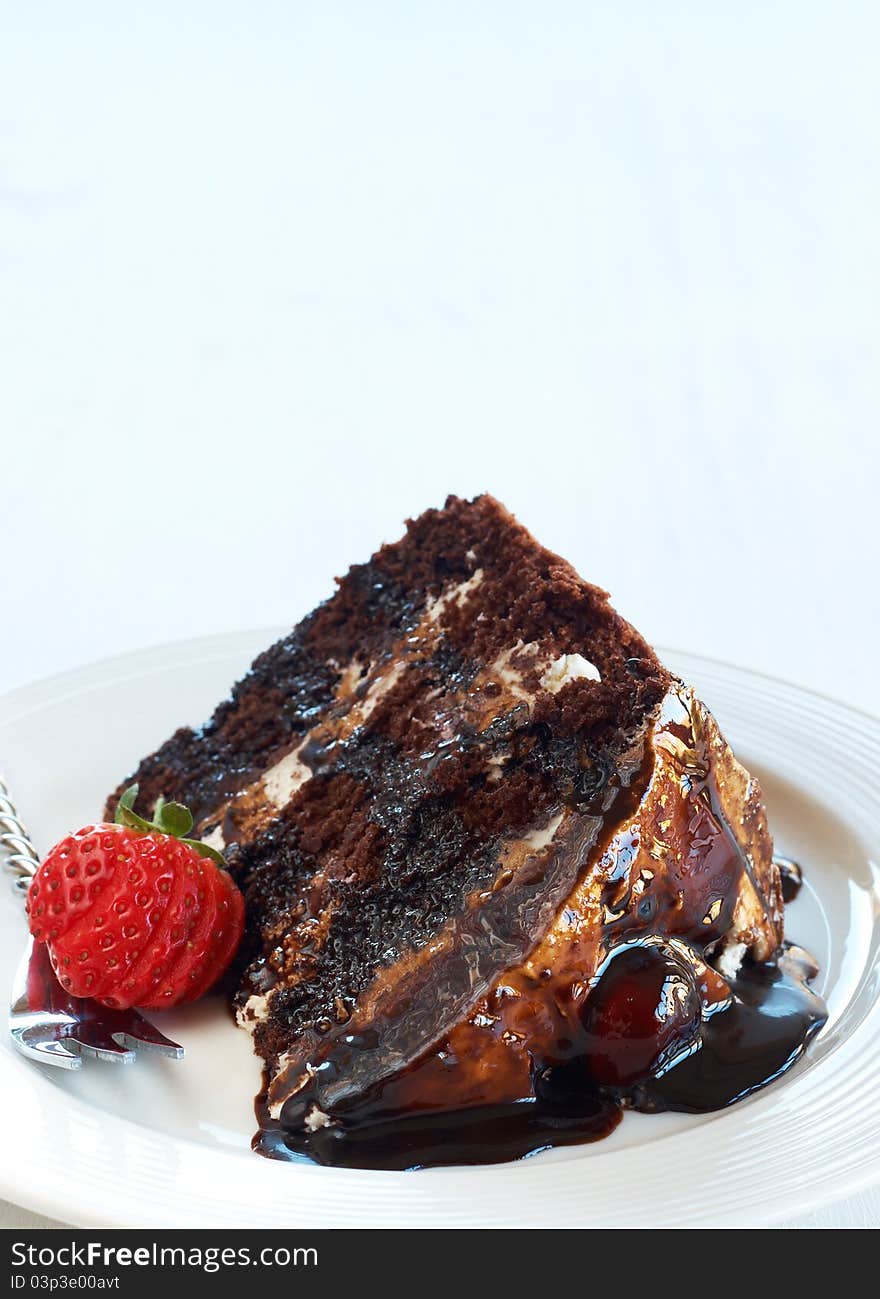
pixel 135 913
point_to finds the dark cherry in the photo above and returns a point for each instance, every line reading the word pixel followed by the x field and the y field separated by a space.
pixel 642 1015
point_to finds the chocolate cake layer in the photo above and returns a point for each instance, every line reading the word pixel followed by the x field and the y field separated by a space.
pixel 449 795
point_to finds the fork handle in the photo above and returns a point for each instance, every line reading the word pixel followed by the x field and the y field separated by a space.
pixel 17 852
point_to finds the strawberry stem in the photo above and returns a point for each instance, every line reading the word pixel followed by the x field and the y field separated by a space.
pixel 172 819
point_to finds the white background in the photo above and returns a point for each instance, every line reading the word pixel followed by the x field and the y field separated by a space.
pixel 275 276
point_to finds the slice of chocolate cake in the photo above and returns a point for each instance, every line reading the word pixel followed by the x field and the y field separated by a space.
pixel 503 875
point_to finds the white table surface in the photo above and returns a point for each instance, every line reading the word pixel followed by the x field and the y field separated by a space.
pixel 276 276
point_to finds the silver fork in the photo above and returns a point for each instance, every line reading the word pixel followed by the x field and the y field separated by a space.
pixel 45 1022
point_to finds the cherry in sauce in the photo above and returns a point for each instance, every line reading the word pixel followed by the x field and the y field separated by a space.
pixel 642 1015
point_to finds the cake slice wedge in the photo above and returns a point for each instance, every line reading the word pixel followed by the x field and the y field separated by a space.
pixel 503 875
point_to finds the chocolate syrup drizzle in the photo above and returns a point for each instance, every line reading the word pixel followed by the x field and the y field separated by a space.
pixel 792 877
pixel 676 1054
pixel 659 1029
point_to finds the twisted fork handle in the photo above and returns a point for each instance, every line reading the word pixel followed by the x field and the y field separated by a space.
pixel 19 856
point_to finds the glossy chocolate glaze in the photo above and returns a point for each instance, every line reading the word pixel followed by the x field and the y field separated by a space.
pixel 684 1056
pixel 485 1134
pixel 556 1051
pixel 791 875
pixel 772 1016
pixel 657 1028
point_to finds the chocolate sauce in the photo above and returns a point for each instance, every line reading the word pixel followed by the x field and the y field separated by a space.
pixel 658 1028
pixel 485 1134
pixel 654 1043
pixel 792 877
pixel 765 1029
pixel 548 1058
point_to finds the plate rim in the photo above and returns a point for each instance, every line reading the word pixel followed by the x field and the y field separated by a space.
pixel 100 1204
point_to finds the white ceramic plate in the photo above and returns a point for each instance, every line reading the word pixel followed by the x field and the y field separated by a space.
pixel 168 1144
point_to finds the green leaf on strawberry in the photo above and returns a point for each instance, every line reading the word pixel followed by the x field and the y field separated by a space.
pixel 170 818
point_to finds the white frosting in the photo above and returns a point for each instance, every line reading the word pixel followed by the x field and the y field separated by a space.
pixel 282 781
pixel 253 1010
pixel 540 837
pixel 729 960
pixel 316 1119
pixel 378 689
pixel 348 678
pixel 454 596
pixel 215 839
pixel 569 667
pixel 503 671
